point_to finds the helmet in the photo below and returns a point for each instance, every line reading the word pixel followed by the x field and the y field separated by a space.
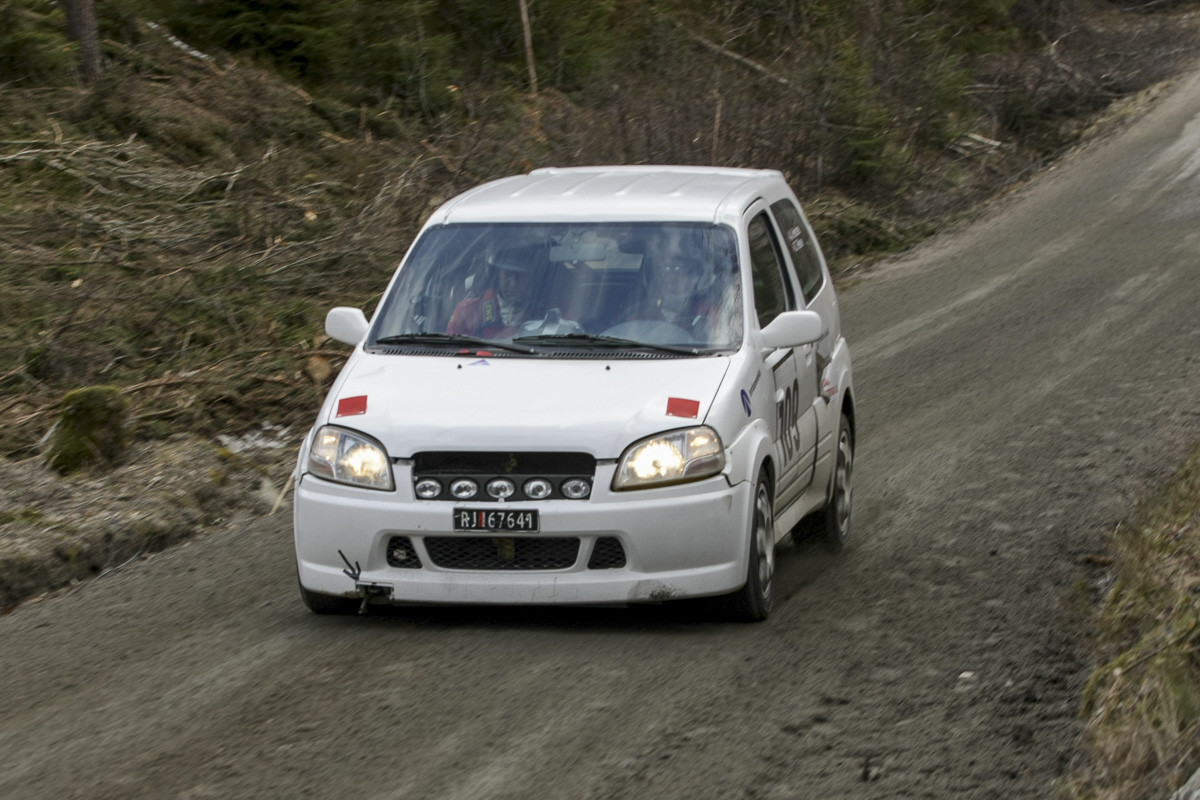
pixel 676 281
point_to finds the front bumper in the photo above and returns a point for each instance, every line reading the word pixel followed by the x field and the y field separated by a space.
pixel 678 541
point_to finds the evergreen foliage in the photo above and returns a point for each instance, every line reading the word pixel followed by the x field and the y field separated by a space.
pixel 411 53
pixel 395 57
pixel 32 47
pixel 873 83
pixel 856 126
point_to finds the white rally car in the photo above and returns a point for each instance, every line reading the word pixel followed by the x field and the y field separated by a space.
pixel 587 385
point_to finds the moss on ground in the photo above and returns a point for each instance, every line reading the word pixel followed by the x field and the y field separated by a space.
pixel 90 430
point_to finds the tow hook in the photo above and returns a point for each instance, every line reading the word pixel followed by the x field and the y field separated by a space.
pixel 368 590
pixel 365 589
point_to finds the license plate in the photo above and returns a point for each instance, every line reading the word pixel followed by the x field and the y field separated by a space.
pixel 495 520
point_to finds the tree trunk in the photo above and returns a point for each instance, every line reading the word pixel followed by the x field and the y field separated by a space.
pixel 533 84
pixel 81 26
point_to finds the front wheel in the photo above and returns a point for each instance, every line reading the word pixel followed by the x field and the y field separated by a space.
pixel 752 603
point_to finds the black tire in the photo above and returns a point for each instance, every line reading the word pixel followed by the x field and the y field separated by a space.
pixel 753 602
pixel 327 603
pixel 831 524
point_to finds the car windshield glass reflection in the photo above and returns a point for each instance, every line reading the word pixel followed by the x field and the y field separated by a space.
pixel 673 286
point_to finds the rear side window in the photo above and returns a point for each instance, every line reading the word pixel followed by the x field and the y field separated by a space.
pixel 801 246
pixel 772 290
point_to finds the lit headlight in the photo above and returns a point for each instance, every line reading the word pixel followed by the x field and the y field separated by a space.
pixel 348 457
pixel 673 457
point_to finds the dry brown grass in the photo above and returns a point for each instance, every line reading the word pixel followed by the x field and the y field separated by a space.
pixel 1142 705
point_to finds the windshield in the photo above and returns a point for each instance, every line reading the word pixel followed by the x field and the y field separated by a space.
pixel 599 285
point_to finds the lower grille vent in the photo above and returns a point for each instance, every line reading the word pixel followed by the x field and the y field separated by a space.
pixel 400 553
pixel 607 554
pixel 502 552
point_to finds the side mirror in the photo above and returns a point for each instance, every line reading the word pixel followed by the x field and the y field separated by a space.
pixel 347 325
pixel 793 329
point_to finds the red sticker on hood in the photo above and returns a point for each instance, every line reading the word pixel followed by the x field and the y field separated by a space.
pixel 678 407
pixel 350 406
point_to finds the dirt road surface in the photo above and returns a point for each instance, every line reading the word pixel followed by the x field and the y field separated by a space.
pixel 1022 383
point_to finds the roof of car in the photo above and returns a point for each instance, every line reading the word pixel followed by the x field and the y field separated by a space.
pixel 624 193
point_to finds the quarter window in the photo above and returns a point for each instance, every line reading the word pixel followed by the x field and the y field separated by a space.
pixel 800 244
pixel 772 291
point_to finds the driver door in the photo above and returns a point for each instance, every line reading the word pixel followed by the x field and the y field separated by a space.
pixel 793 369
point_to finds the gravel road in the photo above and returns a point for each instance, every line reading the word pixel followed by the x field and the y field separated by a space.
pixel 1023 382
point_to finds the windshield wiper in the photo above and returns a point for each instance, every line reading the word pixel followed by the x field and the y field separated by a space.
pixel 599 340
pixel 474 343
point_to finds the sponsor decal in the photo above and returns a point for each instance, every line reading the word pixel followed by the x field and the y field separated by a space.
pixel 352 406
pixel 747 392
pixel 483 362
pixel 679 407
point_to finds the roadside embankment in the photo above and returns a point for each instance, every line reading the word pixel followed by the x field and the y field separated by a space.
pixel 1142 704
pixel 55 530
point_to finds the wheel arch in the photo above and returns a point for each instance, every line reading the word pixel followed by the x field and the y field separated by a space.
pixel 767 465
pixel 848 412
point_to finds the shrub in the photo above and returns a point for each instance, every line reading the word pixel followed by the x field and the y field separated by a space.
pixel 91 429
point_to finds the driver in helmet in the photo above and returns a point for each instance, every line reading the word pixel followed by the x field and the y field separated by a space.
pixel 675 294
pixel 501 309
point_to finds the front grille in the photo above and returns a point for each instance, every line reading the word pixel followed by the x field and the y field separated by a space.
pixel 607 554
pixel 501 463
pixel 502 552
pixel 400 553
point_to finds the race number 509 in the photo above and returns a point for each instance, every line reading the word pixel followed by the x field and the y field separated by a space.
pixel 787 420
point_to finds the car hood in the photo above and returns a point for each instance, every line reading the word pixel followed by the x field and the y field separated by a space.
pixel 598 406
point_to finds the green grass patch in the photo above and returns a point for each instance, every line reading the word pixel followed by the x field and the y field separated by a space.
pixel 26 515
pixel 1142 704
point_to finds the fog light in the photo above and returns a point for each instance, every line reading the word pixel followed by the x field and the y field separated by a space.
pixel 428 488
pixel 576 488
pixel 501 488
pixel 464 488
pixel 537 488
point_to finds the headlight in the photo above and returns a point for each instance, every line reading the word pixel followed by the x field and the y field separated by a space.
pixel 673 457
pixel 348 457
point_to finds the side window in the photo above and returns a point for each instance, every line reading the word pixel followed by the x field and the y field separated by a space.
pixel 801 247
pixel 772 291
